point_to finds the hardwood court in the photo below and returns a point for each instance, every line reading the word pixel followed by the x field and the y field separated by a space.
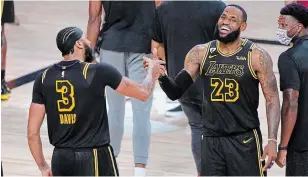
pixel 32 46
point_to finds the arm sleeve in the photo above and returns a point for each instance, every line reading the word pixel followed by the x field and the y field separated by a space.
pixel 37 93
pixel 174 89
pixel 288 71
pixel 109 75
pixel 156 33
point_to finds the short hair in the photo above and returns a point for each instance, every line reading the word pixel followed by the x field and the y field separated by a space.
pixel 241 9
pixel 67 38
pixel 298 11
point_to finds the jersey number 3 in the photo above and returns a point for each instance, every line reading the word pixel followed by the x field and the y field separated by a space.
pixel 66 89
pixel 230 85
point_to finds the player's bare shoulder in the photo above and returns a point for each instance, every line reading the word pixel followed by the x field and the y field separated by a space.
pixel 197 53
pixel 261 60
pixel 194 58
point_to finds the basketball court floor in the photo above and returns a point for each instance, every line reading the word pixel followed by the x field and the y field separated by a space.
pixel 32 46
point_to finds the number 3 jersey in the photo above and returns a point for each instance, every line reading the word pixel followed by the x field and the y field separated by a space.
pixel 231 91
pixel 73 94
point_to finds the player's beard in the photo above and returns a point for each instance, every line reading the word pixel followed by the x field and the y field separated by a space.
pixel 231 37
pixel 89 58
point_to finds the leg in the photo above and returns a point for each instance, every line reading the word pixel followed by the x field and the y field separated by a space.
pixel 297 163
pixel 106 164
pixel 243 153
pixel 5 91
pixel 212 157
pixel 194 115
pixel 116 102
pixel 141 112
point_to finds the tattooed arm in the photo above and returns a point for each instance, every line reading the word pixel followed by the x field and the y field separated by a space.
pixel 263 66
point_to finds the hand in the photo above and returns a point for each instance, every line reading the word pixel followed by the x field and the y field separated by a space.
pixel 46 171
pixel 281 159
pixel 151 63
pixel 270 150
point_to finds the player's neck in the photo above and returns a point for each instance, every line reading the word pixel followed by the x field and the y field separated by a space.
pixel 227 48
pixel 71 57
pixel 303 33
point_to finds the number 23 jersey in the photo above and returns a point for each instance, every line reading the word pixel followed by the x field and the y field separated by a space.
pixel 231 91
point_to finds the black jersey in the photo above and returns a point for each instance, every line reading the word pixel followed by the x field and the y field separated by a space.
pixel 231 91
pixel 73 93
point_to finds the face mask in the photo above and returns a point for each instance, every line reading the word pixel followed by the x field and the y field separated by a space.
pixel 282 36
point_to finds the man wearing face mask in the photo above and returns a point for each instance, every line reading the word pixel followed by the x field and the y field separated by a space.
pixel 72 94
pixel 231 69
pixel 293 67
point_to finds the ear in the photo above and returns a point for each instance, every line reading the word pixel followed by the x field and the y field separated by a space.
pixel 79 44
pixel 243 26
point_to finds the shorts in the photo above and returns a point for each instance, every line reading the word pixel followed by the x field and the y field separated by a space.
pixel 297 163
pixel 234 155
pixel 8 12
pixel 84 162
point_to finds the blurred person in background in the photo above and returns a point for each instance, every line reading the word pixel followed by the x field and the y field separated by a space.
pixel 122 42
pixel 304 3
pixel 7 17
pixel 178 27
pixel 293 67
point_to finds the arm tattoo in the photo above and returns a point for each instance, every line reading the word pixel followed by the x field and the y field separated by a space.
pixel 289 114
pixel 149 82
pixel 193 60
pixel 268 83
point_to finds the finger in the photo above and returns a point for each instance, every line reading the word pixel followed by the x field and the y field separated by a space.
pixel 267 164
pixel 155 55
pixel 263 156
pixel 161 62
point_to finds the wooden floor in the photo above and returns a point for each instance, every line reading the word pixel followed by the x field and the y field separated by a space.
pixel 32 46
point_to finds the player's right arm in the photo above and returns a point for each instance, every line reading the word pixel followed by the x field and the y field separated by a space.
pixel 127 87
pixel 36 117
pixel 175 88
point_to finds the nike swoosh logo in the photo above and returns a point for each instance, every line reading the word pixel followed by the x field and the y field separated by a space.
pixel 246 141
pixel 212 56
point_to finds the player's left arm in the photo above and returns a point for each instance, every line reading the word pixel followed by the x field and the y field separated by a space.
pixel 36 117
pixel 94 21
pixel 263 66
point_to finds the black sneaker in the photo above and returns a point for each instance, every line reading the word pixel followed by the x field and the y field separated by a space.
pixel 177 111
pixel 5 91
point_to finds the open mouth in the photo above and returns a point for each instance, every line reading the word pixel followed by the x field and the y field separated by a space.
pixel 224 30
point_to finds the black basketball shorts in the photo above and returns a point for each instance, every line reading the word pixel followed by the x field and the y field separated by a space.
pixel 236 155
pixel 8 12
pixel 84 162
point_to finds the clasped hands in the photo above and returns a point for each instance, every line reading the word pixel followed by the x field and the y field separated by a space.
pixel 157 65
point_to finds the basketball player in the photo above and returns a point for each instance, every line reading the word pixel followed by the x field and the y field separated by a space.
pixel 293 67
pixel 231 69
pixel 72 94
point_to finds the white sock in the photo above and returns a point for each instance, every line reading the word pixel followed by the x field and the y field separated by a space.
pixel 139 171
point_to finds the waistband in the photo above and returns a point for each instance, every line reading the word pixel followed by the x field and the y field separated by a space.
pixel 80 148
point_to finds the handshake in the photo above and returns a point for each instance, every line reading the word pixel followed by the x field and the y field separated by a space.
pixel 154 65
